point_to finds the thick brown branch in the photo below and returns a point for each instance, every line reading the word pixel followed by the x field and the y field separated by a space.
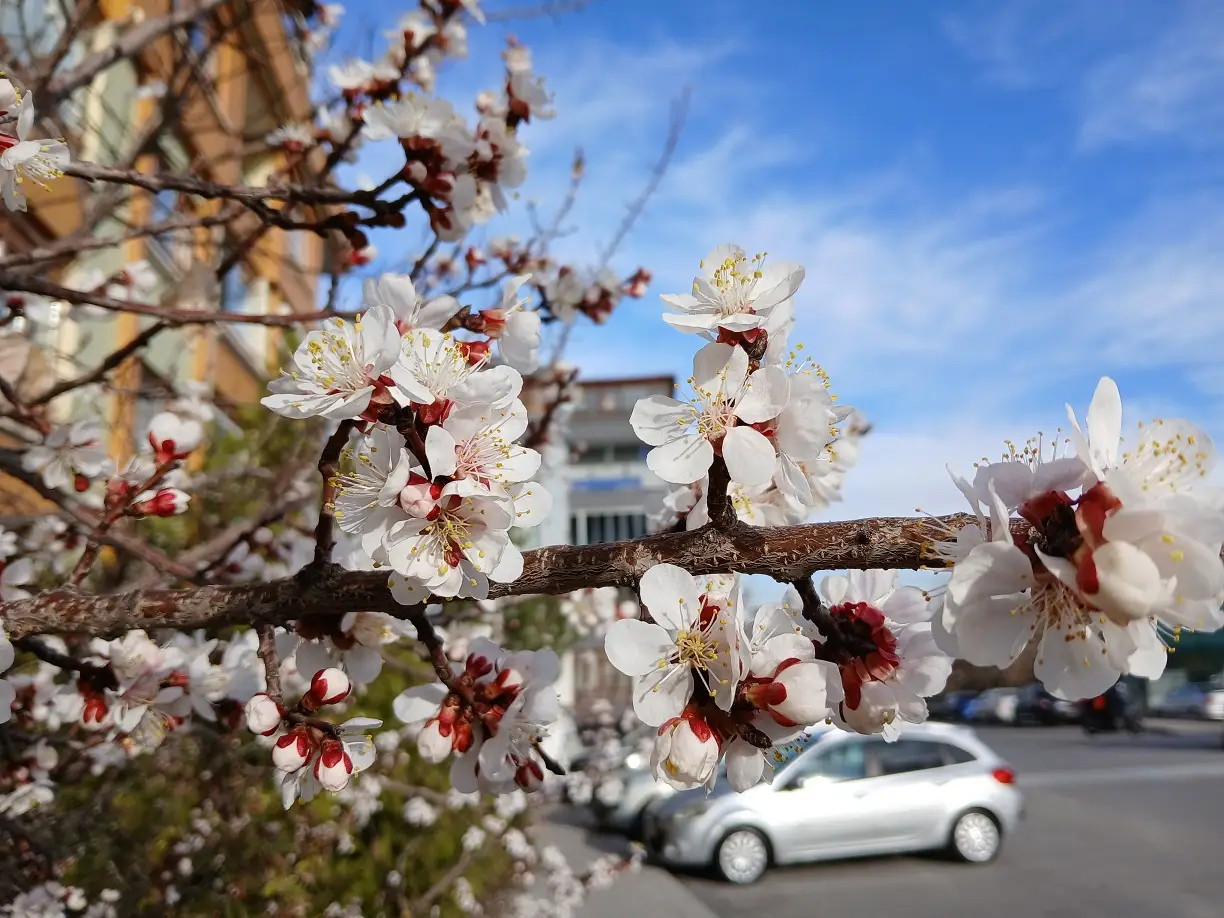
pixel 786 554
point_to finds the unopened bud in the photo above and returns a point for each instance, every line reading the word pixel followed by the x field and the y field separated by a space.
pixel 494 322
pixel 529 776
pixel 334 766
pixel 419 498
pixel 173 437
pixel 432 743
pixel 263 715
pixel 330 686
pixel 165 502
pixel 293 750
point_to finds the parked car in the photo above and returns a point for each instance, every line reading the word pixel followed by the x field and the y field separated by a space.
pixel 624 797
pixel 937 787
pixel 1035 705
pixel 993 706
pixel 1213 705
pixel 1119 708
pixel 1190 700
pixel 950 706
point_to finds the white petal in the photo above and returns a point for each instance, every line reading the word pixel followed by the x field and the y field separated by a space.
pixel 683 460
pixel 419 703
pixel 765 395
pixel 662 694
pixel 711 361
pixel 658 419
pixel 1104 422
pixel 991 631
pixel 670 595
pixel 749 455
pixel 1074 665
pixel 908 604
pixel 636 647
pixel 440 452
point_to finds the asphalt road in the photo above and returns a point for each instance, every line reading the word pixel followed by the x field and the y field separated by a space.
pixel 1118 827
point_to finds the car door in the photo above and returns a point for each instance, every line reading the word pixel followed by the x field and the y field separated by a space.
pixel 902 794
pixel 812 802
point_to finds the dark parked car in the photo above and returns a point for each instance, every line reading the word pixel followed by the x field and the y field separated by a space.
pixel 950 706
pixel 1037 706
pixel 1120 708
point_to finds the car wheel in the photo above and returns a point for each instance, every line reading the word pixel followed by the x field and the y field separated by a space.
pixel 975 838
pixel 742 856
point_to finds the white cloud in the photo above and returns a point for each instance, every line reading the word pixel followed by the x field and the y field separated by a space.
pixel 1172 87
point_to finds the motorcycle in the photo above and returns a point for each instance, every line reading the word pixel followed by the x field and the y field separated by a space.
pixel 1111 712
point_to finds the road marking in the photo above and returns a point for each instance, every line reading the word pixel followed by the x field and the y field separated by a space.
pixel 1139 773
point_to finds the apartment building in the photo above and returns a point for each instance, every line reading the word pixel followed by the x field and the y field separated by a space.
pixel 246 77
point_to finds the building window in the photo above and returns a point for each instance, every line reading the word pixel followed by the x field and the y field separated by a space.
pixel 596 528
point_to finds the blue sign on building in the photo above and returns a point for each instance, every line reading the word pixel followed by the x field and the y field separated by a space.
pixel 605 484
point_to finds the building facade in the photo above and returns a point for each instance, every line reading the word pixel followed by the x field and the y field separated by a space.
pixel 244 76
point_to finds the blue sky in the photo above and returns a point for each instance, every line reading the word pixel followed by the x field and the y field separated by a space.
pixel 996 202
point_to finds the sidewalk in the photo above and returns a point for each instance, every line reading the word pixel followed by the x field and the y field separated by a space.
pixel 650 891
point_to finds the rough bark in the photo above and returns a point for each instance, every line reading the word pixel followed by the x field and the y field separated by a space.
pixel 786 554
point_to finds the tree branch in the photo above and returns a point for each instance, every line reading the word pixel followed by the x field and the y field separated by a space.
pixel 787 554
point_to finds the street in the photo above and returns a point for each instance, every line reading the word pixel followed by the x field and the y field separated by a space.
pixel 1117 826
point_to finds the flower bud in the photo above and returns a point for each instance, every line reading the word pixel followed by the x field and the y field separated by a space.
pixel 800 692
pixel 330 686
pixel 494 322
pixel 263 715
pixel 509 680
pixel 293 750
pixel 686 753
pixel 334 766
pixel 165 502
pixel 475 352
pixel 529 776
pixel 415 172
pixel 432 743
pixel 419 498
pixel 173 437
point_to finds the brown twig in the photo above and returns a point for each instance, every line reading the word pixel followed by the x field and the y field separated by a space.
pixel 329 464
pixel 271 661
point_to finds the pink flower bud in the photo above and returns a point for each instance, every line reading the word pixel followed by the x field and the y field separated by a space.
pixel 494 322
pixel 330 686
pixel 173 437
pixel 419 498
pixel 263 715
pixel 802 692
pixel 432 743
pixel 529 776
pixel 333 767
pixel 686 753
pixel 293 750
pixel 165 502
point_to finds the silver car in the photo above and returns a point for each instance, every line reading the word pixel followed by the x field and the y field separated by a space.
pixel 937 787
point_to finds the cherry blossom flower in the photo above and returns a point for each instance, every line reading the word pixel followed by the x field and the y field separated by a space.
pixel 383 486
pixel 454 552
pixel 997 601
pixel 398 292
pixel 695 634
pixel 69 456
pixel 23 159
pixel 515 328
pixel 435 375
pixel 728 401
pixel 733 293
pixel 173 437
pixel 293 138
pixel 479 444
pixel 686 752
pixel 340 371
pixel 888 658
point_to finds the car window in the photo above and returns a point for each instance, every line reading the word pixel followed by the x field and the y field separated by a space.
pixel 904 756
pixel 955 755
pixel 845 761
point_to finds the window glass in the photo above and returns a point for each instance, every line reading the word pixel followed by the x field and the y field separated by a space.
pixel 905 756
pixel 844 761
pixel 955 755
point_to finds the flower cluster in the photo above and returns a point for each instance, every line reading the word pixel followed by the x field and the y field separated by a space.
pixel 314 754
pixel 719 686
pixel 492 714
pixel 765 411
pixel 23 159
pixel 1115 550
pixel 436 482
